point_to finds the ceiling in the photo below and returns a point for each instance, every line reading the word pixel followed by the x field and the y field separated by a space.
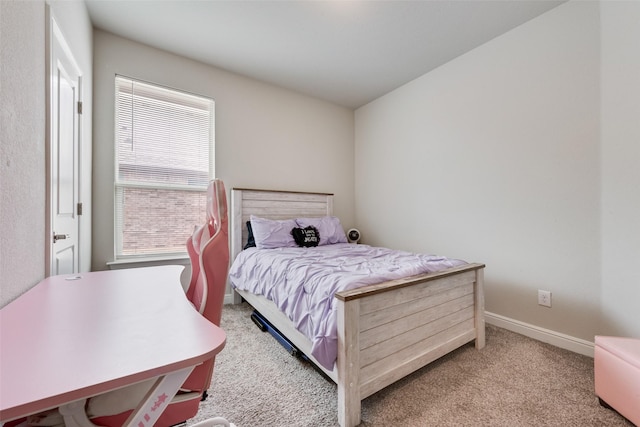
pixel 346 52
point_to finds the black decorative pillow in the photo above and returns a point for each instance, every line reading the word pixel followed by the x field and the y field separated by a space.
pixel 251 241
pixel 306 237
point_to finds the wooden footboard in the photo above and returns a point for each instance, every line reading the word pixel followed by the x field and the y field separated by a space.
pixel 389 330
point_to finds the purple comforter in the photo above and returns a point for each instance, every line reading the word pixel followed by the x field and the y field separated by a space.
pixel 303 281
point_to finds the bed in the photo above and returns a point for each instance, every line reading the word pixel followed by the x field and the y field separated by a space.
pixel 385 330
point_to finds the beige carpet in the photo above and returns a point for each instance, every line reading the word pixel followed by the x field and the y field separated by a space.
pixel 513 381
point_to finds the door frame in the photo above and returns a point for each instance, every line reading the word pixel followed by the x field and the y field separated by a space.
pixel 53 34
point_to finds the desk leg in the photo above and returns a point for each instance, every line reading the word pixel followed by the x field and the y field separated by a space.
pixel 146 413
pixel 157 399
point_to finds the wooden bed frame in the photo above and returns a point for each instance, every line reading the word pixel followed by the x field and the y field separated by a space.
pixel 386 330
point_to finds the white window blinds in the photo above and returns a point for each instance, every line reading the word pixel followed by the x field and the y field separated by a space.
pixel 164 160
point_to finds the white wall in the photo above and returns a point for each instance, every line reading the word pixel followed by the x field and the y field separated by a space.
pixel 22 155
pixel 22 135
pixel 620 207
pixel 266 137
pixel 497 157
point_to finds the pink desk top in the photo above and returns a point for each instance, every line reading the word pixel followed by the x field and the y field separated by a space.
pixel 65 340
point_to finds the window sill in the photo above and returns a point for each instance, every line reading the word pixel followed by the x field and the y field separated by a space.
pixel 148 262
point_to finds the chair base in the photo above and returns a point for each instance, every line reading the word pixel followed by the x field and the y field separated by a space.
pixel 214 422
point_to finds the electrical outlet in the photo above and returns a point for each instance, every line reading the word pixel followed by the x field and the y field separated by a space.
pixel 544 298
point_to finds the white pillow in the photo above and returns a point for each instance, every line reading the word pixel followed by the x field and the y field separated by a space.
pixel 329 228
pixel 272 233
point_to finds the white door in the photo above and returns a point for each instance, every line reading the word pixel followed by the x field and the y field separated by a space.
pixel 63 157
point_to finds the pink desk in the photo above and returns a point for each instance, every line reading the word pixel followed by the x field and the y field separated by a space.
pixel 69 338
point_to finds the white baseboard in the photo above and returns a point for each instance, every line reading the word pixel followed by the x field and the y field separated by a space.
pixel 548 336
pixel 228 298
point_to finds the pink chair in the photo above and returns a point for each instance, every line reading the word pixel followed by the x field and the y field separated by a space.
pixel 208 250
pixel 617 375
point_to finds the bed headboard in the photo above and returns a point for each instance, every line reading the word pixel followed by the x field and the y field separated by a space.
pixel 273 205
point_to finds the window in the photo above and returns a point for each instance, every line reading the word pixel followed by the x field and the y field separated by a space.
pixel 164 160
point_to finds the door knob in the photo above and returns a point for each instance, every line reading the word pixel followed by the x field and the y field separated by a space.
pixel 57 237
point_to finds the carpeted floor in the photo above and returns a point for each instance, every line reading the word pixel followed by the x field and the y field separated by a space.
pixel 513 381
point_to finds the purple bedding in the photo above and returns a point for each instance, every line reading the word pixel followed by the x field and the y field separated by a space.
pixel 303 281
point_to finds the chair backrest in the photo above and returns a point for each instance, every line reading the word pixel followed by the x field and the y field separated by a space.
pixel 208 250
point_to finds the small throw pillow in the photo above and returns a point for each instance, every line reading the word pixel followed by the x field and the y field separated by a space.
pixel 306 237
pixel 329 228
